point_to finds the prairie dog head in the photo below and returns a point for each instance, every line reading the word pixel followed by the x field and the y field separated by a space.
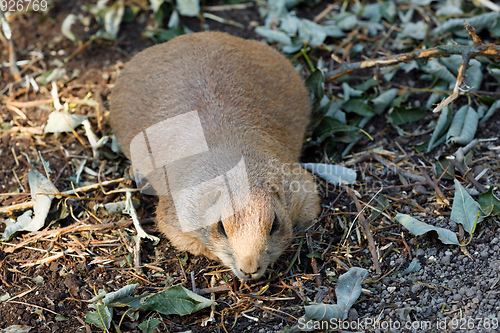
pixel 254 237
pixel 250 240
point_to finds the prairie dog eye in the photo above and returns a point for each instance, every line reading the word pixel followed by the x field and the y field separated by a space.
pixel 275 225
pixel 221 229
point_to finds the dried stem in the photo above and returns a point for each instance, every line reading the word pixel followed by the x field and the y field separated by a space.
pixel 366 226
pixel 314 264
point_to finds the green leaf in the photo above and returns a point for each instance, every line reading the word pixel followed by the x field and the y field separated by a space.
pixel 112 18
pixel 449 8
pixel 60 318
pixel 436 68
pixel 388 10
pixel 366 85
pixel 358 106
pixel 465 210
pixel 495 72
pixel 478 22
pixel 130 13
pixel 183 258
pixel 315 83
pixel 149 325
pixel 463 127
pixel 162 35
pixel 442 125
pixel 115 296
pixel 348 91
pixel 176 300
pixel 413 267
pixel 495 106
pixel 315 254
pixel 59 122
pixel 42 192
pixel 188 7
pixel 348 22
pixel 334 174
pixel 382 205
pixel 101 317
pixel 318 312
pixel 348 290
pixel 418 228
pixel 313 33
pixel 489 203
pixel 349 287
pixel 401 115
pixel 66 27
pixel 329 126
pixel 382 101
pixel 274 36
pixel 443 165
pixel 414 30
pixel 400 99
pixel 155 5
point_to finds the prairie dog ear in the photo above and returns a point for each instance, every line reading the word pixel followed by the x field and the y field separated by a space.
pixel 302 198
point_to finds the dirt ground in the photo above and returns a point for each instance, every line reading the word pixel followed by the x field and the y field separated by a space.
pixel 49 292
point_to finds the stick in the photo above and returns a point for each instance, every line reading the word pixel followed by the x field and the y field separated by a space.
pixel 460 79
pixel 71 228
pixel 489 50
pixel 436 188
pixel 467 175
pixel 366 226
pixel 314 264
pixel 29 204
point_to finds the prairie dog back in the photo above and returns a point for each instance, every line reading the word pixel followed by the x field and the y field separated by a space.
pixel 252 110
pixel 231 82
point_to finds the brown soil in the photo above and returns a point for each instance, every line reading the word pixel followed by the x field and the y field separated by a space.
pixel 101 259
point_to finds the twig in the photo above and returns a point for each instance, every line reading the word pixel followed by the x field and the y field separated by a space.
pixel 29 204
pixel 460 79
pixel 436 188
pixel 295 257
pixel 323 13
pixel 12 59
pixel 45 260
pixel 222 8
pixel 314 264
pixel 222 20
pixel 488 50
pixel 490 5
pixel 137 253
pixel 467 174
pixel 266 298
pixel 406 245
pixel 193 282
pixel 34 305
pixel 211 290
pixel 79 49
pixel 398 170
pixel 366 226
pixel 71 228
pixel 30 104
pixel 294 289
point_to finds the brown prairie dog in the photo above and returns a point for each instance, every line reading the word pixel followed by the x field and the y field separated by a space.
pixel 223 120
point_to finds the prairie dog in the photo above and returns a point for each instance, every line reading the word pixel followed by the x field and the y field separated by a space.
pixel 223 118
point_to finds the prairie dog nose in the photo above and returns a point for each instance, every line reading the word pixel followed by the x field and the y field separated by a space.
pixel 249 267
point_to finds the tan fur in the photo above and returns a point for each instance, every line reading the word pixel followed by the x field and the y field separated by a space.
pixel 249 97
